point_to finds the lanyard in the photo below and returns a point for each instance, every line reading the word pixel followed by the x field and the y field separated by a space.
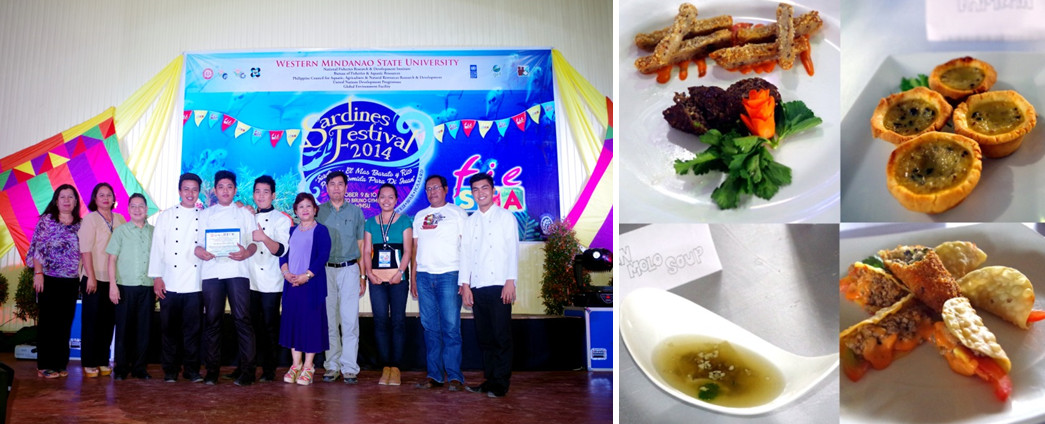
pixel 385 228
pixel 107 222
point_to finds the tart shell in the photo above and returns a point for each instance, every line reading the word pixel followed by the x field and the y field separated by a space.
pixel 941 200
pixel 878 129
pixel 999 145
pixel 990 76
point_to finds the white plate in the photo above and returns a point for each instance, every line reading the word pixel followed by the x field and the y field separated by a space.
pixel 649 188
pixel 920 387
pixel 1010 189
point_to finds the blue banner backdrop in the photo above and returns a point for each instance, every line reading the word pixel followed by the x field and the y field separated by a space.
pixel 381 117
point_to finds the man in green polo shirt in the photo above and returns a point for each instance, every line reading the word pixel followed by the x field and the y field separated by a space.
pixel 131 289
pixel 345 283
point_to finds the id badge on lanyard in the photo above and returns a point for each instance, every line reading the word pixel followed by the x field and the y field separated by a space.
pixel 384 256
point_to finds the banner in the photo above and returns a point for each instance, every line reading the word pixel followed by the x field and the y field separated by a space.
pixel 381 117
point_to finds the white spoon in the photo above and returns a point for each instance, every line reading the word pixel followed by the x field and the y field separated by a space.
pixel 649 316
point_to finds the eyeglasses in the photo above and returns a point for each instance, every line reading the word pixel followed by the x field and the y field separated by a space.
pixel 433 188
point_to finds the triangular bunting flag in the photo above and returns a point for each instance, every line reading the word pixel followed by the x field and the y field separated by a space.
pixel 520 121
pixel 452 127
pixel 549 110
pixel 94 133
pixel 226 122
pixel 535 113
pixel 213 118
pixel 241 128
pixel 256 135
pixel 78 146
pixel 200 114
pixel 502 125
pixel 26 168
pixel 291 136
pixel 274 137
pixel 57 160
pixel 19 176
pixel 468 125
pixel 484 127
pixel 439 132
pixel 185 119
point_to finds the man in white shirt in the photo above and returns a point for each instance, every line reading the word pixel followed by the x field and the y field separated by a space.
pixel 489 268
pixel 271 237
pixel 437 246
pixel 226 275
pixel 176 277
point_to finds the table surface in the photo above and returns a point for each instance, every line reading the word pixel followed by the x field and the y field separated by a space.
pixel 777 281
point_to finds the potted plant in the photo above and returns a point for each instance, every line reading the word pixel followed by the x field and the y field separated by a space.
pixel 26 308
pixel 558 282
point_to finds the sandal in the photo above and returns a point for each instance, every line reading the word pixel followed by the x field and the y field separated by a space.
pixel 104 370
pixel 305 378
pixel 292 375
pixel 90 372
pixel 48 374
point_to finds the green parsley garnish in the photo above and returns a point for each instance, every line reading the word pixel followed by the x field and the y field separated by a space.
pixel 796 118
pixel 908 83
pixel 873 261
pixel 707 392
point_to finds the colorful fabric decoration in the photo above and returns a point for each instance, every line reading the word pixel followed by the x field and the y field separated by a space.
pixel 82 156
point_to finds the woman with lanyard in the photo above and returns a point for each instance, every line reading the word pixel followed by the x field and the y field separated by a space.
pixel 384 241
pixel 99 313
pixel 54 256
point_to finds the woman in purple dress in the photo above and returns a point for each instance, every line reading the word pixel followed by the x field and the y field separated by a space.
pixel 303 323
pixel 54 255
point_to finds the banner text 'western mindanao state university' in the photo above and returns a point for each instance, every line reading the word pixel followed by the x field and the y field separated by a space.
pixel 381 117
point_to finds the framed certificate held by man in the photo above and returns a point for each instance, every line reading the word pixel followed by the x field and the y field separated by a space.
pixel 222 241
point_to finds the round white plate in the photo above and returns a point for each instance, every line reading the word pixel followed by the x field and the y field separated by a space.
pixel 651 191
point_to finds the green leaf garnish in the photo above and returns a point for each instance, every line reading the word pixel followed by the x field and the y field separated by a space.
pixel 908 83
pixel 707 391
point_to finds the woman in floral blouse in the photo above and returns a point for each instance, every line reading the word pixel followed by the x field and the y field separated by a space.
pixel 54 255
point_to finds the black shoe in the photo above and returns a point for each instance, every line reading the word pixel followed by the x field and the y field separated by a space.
pixel 244 380
pixel 170 378
pixel 119 376
pixel 211 379
pixel 232 375
pixel 429 384
pixel 267 376
pixel 494 394
pixel 142 375
pixel 193 377
pixel 476 389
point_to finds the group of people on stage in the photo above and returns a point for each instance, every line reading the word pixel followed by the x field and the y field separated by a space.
pixel 287 284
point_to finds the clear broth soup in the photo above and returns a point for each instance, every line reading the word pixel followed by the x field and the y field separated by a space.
pixel 717 372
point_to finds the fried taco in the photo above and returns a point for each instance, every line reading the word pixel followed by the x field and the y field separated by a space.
pixel 871 287
pixel 1004 292
pixel 876 341
pixel 970 348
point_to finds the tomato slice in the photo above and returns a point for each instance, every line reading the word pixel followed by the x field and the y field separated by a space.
pixel 853 366
pixel 989 370
pixel 1035 316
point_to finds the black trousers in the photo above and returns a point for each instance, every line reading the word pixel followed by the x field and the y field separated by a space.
pixel 180 317
pixel 264 311
pixel 215 291
pixel 493 328
pixel 133 318
pixel 98 316
pixel 57 309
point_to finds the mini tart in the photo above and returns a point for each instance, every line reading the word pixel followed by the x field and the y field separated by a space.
pixel 904 116
pixel 933 172
pixel 998 120
pixel 962 77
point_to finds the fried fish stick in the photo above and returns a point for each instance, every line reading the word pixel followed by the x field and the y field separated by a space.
pixel 919 269
pixel 785 36
pixel 648 41
pixel 669 45
pixel 806 24
pixel 752 54
pixel 691 48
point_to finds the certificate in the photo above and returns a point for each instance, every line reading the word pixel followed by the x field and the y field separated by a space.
pixel 221 241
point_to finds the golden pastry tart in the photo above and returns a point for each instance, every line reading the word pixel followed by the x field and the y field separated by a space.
pixel 934 171
pixel 962 77
pixel 998 120
pixel 903 116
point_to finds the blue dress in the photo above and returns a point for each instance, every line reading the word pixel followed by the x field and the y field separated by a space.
pixel 303 323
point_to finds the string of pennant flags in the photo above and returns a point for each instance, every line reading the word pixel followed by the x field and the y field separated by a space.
pixel 452 128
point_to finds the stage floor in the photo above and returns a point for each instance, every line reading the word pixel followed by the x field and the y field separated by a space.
pixel 534 397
